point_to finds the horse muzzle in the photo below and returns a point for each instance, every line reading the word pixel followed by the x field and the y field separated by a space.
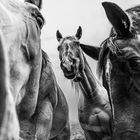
pixel 71 73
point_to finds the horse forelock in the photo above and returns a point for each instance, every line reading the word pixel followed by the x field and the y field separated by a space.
pixel 68 39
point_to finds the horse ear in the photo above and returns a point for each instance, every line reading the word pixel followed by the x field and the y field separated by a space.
pixel 118 18
pixel 92 51
pixel 79 33
pixel 58 36
pixel 38 3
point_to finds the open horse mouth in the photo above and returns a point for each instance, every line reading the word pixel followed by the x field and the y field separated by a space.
pixel 73 76
pixel 76 77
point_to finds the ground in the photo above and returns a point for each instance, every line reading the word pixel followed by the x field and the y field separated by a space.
pixel 76 131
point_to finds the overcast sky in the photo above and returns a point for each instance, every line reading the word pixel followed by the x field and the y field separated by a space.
pixel 67 15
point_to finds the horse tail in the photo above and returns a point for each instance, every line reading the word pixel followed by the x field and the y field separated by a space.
pixel 9 126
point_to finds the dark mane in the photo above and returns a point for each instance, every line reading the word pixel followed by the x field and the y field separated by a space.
pixel 108 46
pixel 102 59
pixel 134 14
pixel 45 59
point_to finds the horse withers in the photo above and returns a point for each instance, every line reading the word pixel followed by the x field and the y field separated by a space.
pixel 93 108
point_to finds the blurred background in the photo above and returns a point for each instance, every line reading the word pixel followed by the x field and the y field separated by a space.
pixel 67 15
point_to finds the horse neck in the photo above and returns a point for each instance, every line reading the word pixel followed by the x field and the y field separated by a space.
pixel 89 84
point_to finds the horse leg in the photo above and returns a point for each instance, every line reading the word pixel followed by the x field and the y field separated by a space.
pixel 44 120
pixel 65 134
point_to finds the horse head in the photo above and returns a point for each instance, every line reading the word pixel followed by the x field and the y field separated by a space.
pixel 119 64
pixel 70 55
pixel 20 25
pixel 122 46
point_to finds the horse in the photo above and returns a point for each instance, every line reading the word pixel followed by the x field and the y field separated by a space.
pixel 118 64
pixel 20 27
pixel 8 116
pixel 93 107
pixel 51 117
pixel 92 51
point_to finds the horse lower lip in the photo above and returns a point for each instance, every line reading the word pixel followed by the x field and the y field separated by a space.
pixel 69 75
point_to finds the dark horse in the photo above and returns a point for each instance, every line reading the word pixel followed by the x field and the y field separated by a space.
pixel 20 28
pixel 93 108
pixel 51 117
pixel 119 65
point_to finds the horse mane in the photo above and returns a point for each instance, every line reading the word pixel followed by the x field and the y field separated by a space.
pixel 45 58
pixel 135 8
pixel 102 58
pixel 31 1
pixel 75 86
